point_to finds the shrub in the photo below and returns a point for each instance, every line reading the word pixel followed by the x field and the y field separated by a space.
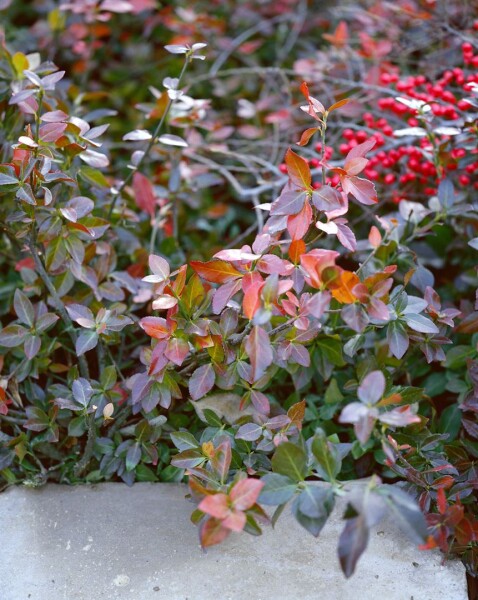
pixel 338 343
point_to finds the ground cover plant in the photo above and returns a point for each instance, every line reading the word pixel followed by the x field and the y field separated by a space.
pixel 251 267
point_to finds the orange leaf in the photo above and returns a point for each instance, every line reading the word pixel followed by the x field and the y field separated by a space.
pixel 296 413
pixel 296 249
pixel 298 169
pixel 306 135
pixel 338 104
pixel 340 36
pixel 342 287
pixel 392 399
pixel 216 271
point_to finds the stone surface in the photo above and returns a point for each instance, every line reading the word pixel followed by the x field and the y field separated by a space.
pixel 113 542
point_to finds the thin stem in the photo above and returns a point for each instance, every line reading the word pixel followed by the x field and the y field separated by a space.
pixel 151 142
pixel 83 365
pixel 90 444
pixel 322 157
pixel 118 370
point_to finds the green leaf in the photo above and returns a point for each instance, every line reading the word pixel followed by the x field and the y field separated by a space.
pixel 55 254
pixel 188 459
pixel 450 421
pixel 93 176
pixel 331 348
pixel 333 395
pixel 278 489
pixel 290 460
pixel 108 377
pixel 144 473
pixel 329 462
pixel 212 418
pixel 183 440
pixel 77 427
pixel 456 356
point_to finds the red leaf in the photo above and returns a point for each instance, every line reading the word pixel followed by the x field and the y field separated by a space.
pixel 144 193
pixel 315 261
pixel 252 300
pixel 156 327
pixel 359 152
pixel 298 225
pixel 215 271
pixel 177 351
pixel 216 505
pixel 212 532
pixel 245 493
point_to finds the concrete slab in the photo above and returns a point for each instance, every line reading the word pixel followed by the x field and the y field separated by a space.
pixel 109 542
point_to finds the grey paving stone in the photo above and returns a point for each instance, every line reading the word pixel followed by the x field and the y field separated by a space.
pixel 112 542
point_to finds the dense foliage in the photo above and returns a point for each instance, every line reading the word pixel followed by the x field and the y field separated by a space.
pixel 250 264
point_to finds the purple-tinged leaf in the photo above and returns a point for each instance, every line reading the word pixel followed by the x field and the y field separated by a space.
pixel 290 202
pixel 352 543
pixel 355 317
pixel 406 512
pixel 400 417
pixel 326 199
pixel 397 338
pixel 133 456
pixel 372 387
pixel 81 314
pixel 249 432
pixel 82 391
pixel 24 308
pixel 260 402
pixel 202 381
pixel 45 321
pixel 87 340
pixel 420 323
pixel 137 135
pixel 32 346
pixel 259 350
pixel 12 336
pixel 223 294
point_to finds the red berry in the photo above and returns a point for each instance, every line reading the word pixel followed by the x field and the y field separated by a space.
pixel 389 178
